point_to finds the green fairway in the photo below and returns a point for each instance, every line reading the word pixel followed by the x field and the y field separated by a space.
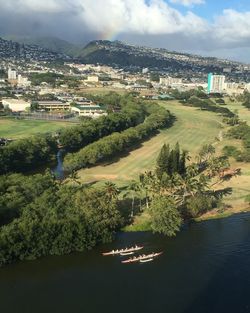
pixel 16 129
pixel 192 129
pixel 243 112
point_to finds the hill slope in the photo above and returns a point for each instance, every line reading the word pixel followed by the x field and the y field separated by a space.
pixel 49 43
pixel 13 49
pixel 120 54
pixel 124 55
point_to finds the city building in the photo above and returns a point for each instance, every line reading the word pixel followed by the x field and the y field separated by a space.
pixel 16 105
pixel 93 79
pixel 54 105
pixel 12 74
pixel 170 81
pixel 93 110
pixel 23 81
pixel 216 83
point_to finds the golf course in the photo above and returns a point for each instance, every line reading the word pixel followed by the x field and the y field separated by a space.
pixel 17 129
pixel 192 129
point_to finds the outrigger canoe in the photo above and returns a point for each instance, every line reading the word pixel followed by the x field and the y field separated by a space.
pixel 144 257
pixel 126 250
pixel 126 253
pixel 147 260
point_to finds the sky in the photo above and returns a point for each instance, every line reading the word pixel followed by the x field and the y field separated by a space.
pixel 207 27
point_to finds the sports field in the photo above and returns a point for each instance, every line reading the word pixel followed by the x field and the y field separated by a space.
pixel 16 129
pixel 192 129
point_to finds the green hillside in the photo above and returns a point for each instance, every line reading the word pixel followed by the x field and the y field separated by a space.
pixel 50 43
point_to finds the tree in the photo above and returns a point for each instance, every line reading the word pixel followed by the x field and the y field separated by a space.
pixel 165 217
pixel 198 204
pixel 176 159
pixel 34 106
pixel 247 199
pixel 111 191
pixel 171 161
pixel 206 153
pixel 163 161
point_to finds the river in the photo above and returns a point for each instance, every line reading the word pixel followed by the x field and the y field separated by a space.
pixel 205 269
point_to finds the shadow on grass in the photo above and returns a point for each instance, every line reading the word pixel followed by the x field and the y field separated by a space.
pixel 134 147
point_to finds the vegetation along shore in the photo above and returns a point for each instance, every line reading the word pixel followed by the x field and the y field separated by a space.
pixel 147 166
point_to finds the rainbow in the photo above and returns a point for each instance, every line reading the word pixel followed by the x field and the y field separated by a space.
pixel 109 35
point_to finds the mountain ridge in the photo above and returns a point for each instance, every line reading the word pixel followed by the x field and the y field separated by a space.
pixel 119 54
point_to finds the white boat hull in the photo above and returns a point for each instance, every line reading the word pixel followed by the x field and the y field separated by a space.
pixel 145 261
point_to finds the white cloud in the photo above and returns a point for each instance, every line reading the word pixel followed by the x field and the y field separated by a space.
pixel 156 17
pixel 135 16
pixel 232 26
pixel 151 21
pixel 188 3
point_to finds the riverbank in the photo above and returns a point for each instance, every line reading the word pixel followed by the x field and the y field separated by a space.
pixel 213 257
pixel 223 213
pixel 142 222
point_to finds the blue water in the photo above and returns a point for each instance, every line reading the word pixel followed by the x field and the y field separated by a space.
pixel 58 170
pixel 205 269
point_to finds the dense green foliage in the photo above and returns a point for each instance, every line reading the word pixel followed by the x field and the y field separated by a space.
pixel 16 191
pixel 242 132
pixel 245 99
pixel 186 95
pixel 26 154
pixel 132 113
pixel 173 196
pixel 231 151
pixel 112 145
pixel 171 161
pixel 209 105
pixel 49 78
pixel 53 218
pixel 198 98
pixel 166 219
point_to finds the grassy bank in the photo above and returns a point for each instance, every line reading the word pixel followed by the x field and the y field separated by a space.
pixel 16 129
pixel 192 129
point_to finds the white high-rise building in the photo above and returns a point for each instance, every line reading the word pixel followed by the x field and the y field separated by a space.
pixel 12 75
pixel 216 83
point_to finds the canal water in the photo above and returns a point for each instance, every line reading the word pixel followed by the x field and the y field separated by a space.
pixel 58 170
pixel 205 269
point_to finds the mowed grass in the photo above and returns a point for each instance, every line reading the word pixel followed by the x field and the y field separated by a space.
pixel 100 90
pixel 16 129
pixel 243 112
pixel 240 184
pixel 192 129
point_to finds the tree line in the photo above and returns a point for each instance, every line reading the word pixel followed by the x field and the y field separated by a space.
pixel 112 145
pixel 132 113
pixel 245 99
pixel 40 216
pixel 241 132
pixel 29 153
pixel 208 105
pixel 173 195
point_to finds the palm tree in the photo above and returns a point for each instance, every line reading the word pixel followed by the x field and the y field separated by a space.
pixel 73 177
pixel 132 188
pixel 111 190
pixel 205 153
